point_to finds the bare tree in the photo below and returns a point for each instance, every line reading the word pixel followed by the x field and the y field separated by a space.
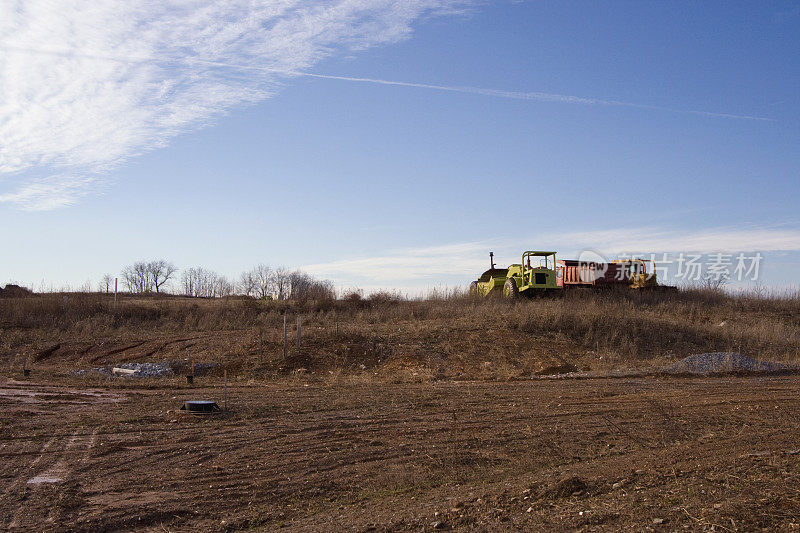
pixel 714 283
pixel 299 284
pixel 224 287
pixel 105 283
pixel 148 276
pixel 137 277
pixel 305 287
pixel 129 279
pixel 258 282
pixel 160 272
pixel 247 284
pixel 143 276
pixel 282 283
pixel 187 280
pixel 202 283
pixel 195 282
pixel 323 290
pixel 263 277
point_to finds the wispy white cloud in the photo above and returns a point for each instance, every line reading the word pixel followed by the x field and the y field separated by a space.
pixel 86 85
pixel 454 263
pixel 44 194
pixel 651 240
pixel 498 93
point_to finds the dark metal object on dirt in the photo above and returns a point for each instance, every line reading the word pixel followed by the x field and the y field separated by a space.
pixel 26 372
pixel 201 407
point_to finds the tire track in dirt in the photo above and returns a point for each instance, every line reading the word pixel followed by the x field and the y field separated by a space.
pixel 23 476
pixel 59 471
pixel 317 448
pixel 159 346
pixel 299 456
pixel 115 351
pixel 47 352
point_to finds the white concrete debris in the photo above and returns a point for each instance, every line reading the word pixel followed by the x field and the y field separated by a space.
pixel 135 370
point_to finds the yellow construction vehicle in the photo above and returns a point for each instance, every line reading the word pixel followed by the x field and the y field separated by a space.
pixel 635 270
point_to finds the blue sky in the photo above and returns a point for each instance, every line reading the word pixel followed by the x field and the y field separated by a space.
pixel 197 135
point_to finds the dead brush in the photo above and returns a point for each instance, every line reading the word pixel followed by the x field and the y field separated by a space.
pixel 448 335
pixel 641 326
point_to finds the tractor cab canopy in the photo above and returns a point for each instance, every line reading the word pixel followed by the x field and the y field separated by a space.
pixel 536 259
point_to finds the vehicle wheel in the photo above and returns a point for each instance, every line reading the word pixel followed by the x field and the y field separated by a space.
pixel 473 288
pixel 510 289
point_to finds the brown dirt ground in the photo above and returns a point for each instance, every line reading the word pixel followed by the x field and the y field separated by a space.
pixel 602 454
pixel 452 351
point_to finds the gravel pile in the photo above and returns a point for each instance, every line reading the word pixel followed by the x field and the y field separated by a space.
pixel 722 363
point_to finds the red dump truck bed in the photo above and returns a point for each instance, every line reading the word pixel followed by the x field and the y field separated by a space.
pixel 574 273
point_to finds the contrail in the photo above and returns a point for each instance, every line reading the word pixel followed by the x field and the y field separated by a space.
pixel 497 93
pixel 538 96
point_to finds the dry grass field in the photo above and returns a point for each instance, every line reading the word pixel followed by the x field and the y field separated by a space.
pixel 398 415
pixel 444 338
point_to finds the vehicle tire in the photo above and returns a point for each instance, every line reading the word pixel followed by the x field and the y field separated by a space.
pixel 473 288
pixel 510 289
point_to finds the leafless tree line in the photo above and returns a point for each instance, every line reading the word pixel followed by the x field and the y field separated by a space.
pixel 148 276
pixel 202 283
pixel 259 282
pixel 283 284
